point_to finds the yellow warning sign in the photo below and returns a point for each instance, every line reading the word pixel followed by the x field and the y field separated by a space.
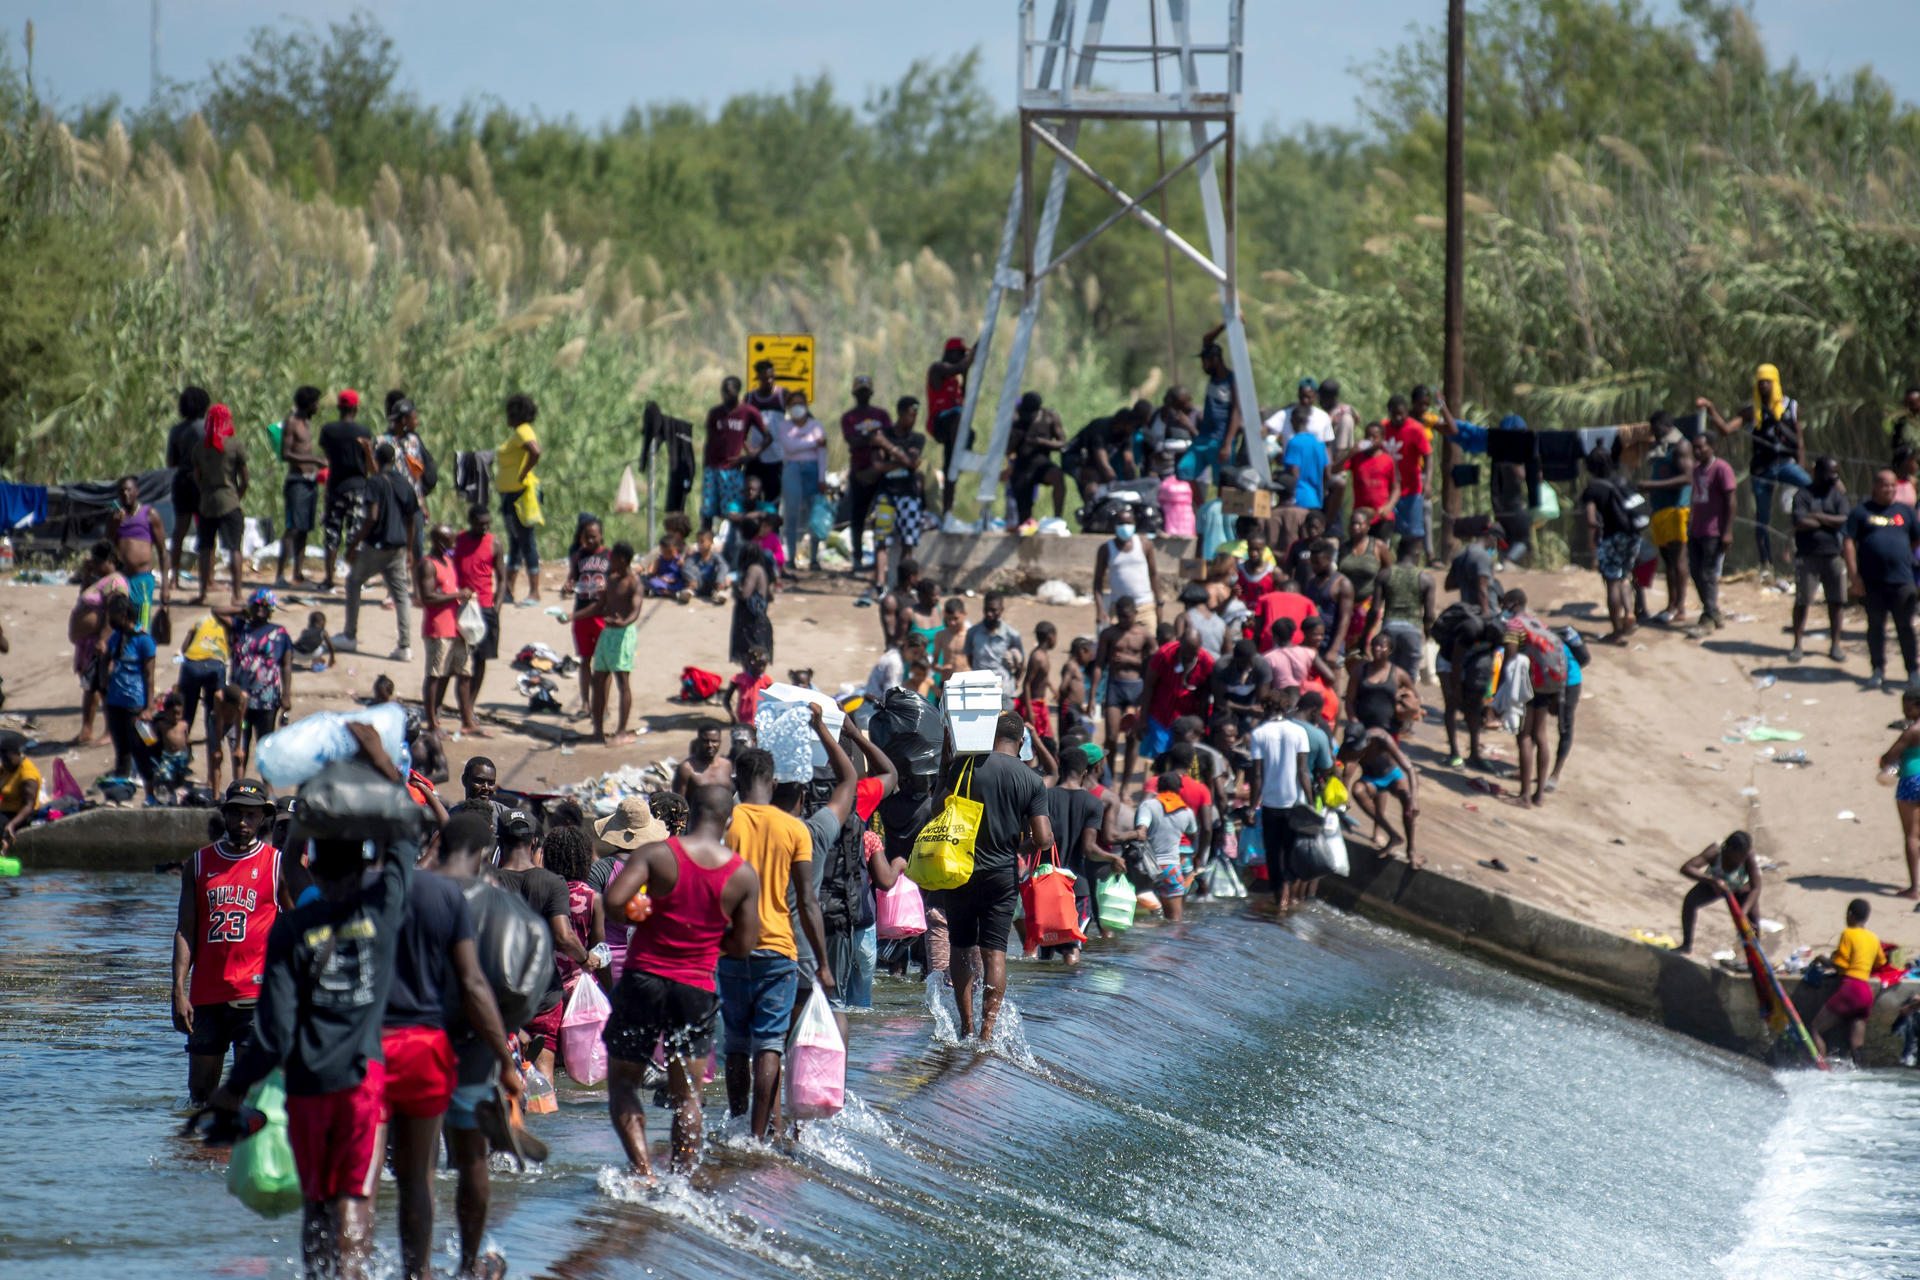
pixel 792 356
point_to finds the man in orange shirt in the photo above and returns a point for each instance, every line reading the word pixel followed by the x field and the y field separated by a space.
pixel 757 993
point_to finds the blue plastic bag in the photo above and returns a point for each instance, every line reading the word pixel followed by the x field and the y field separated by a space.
pixel 291 755
pixel 820 519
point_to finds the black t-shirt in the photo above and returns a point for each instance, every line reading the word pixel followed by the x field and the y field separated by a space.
pixel 546 893
pixel 898 480
pixel 1072 811
pixel 182 442
pixel 1821 542
pixel 1009 793
pixel 391 509
pixel 1885 538
pixel 437 918
pixel 1606 495
pixel 340 442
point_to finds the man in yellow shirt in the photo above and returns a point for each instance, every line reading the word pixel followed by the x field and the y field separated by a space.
pixel 513 464
pixel 757 993
pixel 19 788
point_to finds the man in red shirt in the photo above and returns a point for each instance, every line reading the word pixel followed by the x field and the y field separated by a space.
pixel 480 565
pixel 1411 445
pixel 727 426
pixel 946 394
pixel 1177 681
pixel 231 892
pixel 858 427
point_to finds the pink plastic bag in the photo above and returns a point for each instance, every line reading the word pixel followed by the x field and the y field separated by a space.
pixel 1176 508
pixel 816 1063
pixel 580 1028
pixel 900 912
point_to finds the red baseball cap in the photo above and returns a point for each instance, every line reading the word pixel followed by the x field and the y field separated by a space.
pixel 956 344
pixel 349 399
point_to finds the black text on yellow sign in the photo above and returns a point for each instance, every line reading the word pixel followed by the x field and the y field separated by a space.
pixel 792 356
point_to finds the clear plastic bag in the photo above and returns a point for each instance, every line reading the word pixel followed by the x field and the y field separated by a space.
pixel 291 755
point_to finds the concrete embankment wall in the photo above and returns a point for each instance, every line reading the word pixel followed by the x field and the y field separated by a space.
pixel 1009 562
pixel 110 839
pixel 1680 993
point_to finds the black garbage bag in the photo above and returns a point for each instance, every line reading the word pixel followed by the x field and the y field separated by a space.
pixel 908 729
pixel 514 947
pixel 351 800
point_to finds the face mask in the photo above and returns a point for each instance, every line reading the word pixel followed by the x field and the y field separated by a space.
pixel 1123 532
pixel 798 412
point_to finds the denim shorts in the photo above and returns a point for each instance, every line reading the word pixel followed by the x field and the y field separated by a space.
pixel 756 1001
pixel 1410 516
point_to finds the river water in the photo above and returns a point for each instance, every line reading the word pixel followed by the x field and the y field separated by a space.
pixel 1225 1098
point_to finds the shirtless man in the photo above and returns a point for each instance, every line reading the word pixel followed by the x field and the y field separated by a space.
pixel 1076 694
pixel 300 492
pixel 896 608
pixel 613 656
pixel 704 765
pixel 948 652
pixel 1036 681
pixel 1122 655
pixel 1332 594
pixel 138 535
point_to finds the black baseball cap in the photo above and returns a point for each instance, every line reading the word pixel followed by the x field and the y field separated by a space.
pixel 519 825
pixel 247 791
pixel 1211 349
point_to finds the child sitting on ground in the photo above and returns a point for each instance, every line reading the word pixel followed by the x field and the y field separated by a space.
pixel 770 542
pixel 742 697
pixel 668 576
pixel 705 570
pixel 313 640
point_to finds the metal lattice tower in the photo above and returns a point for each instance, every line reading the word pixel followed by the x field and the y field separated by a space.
pixel 1050 117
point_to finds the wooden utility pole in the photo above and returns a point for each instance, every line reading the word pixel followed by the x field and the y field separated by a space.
pixel 1453 374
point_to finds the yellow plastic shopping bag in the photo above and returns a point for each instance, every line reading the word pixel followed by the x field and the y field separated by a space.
pixel 942 855
pixel 526 507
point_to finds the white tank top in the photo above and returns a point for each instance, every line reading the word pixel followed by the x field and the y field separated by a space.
pixel 1127 574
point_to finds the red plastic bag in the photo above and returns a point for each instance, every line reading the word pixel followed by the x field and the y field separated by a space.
pixel 1046 899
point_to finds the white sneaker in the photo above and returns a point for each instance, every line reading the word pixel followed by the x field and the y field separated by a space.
pixel 345 643
pixel 402 654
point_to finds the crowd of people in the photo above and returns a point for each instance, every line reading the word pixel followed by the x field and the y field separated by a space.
pixel 1240 712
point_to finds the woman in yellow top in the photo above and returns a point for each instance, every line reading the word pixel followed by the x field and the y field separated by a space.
pixel 1855 957
pixel 513 464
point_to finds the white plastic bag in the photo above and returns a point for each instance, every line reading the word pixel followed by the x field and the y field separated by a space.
pixel 626 499
pixel 580 1028
pixel 816 1063
pixel 1336 844
pixel 472 623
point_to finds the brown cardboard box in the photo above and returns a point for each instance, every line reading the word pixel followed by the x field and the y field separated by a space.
pixel 1257 503
pixel 1193 569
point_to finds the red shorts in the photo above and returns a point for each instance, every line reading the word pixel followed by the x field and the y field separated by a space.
pixel 586 635
pixel 1852 999
pixel 338 1138
pixel 1035 715
pixel 544 1028
pixel 421 1073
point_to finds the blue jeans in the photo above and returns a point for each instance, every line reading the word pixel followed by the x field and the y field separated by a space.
pixel 853 957
pixel 799 481
pixel 523 545
pixel 756 1001
pixel 1765 479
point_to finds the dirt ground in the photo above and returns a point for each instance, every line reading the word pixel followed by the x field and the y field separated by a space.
pixel 1651 780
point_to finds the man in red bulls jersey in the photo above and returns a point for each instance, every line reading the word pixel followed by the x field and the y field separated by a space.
pixel 230 893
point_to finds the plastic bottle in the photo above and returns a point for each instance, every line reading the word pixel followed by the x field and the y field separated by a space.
pixel 6 555
pixel 541 1098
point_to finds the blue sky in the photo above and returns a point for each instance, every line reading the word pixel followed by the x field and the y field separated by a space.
pixel 591 58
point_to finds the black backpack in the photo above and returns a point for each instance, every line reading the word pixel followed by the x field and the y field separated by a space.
pixel 843 880
pixel 429 470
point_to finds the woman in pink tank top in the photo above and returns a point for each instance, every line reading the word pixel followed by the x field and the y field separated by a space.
pixel 680 938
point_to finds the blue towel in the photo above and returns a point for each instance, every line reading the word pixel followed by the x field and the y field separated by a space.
pixel 1211 526
pixel 22 505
